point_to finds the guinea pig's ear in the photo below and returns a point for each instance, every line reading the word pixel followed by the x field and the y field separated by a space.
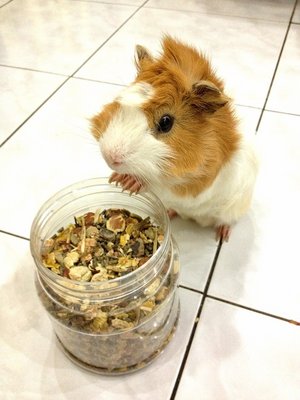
pixel 141 55
pixel 207 97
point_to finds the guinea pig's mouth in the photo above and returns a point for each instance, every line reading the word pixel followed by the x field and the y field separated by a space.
pixel 119 160
pixel 118 166
pixel 114 159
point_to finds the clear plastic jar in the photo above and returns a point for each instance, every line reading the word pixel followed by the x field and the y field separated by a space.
pixel 84 314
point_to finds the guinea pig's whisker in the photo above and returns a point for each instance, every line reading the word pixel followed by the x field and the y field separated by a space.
pixel 163 164
pixel 141 176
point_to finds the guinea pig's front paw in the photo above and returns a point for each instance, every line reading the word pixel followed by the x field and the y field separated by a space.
pixel 128 182
pixel 223 232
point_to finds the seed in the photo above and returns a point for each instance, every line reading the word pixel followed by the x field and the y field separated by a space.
pixel 71 259
pixel 106 234
pixel 130 228
pixel 100 277
pixel 48 246
pixel 100 322
pixel 101 246
pixel 116 223
pixel 80 274
pixel 89 218
pixel 50 260
pixel 138 248
pixel 150 233
pixel 162 294
pixel 152 288
pixel 148 306
pixel 124 239
pixel 92 231
pixel 120 324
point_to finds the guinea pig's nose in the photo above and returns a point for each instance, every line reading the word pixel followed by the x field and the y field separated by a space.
pixel 114 158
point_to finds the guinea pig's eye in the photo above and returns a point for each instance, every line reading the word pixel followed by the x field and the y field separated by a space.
pixel 165 123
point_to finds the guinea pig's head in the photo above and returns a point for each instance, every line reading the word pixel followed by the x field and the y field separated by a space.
pixel 165 123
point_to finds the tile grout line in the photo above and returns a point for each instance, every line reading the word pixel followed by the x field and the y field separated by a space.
pixel 191 289
pixel 107 3
pixel 232 303
pixel 72 75
pixel 188 11
pixel 216 14
pixel 14 234
pixel 244 105
pixel 291 321
pixel 276 67
pixel 95 80
pixel 197 319
pixel 124 85
pixel 282 112
pixel 34 70
pixel 37 109
pixel 5 4
pixel 200 292
pixel 191 338
pixel 113 34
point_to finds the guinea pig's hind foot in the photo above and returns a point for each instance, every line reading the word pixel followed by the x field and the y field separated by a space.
pixel 172 213
pixel 223 233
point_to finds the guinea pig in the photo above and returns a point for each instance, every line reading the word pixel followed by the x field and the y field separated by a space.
pixel 173 131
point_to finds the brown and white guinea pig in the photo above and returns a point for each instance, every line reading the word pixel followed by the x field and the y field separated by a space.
pixel 173 131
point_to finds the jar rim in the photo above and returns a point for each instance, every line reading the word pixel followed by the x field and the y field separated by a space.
pixel 47 210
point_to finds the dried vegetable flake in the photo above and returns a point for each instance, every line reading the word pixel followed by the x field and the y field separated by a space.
pixel 101 246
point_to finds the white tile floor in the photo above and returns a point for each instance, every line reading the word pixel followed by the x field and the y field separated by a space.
pixel 60 61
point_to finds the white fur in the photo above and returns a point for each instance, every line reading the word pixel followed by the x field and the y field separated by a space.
pixel 136 94
pixel 226 199
pixel 128 137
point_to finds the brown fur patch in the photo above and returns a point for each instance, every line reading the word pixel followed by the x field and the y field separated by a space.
pixel 204 135
pixel 99 122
